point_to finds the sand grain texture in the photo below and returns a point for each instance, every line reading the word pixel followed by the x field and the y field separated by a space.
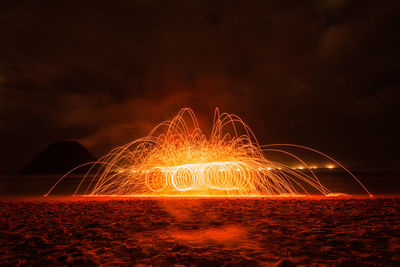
pixel 201 232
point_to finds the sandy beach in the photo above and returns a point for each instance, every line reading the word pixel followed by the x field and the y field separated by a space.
pixel 200 232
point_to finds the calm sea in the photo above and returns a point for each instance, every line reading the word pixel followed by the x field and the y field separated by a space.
pixel 377 181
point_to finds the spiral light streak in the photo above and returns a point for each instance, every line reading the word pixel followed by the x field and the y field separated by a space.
pixel 177 158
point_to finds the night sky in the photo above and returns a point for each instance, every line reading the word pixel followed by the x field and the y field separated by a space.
pixel 324 74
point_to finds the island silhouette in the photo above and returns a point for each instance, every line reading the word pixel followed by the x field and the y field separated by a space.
pixel 59 158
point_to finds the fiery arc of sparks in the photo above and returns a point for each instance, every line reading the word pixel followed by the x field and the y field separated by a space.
pixel 177 158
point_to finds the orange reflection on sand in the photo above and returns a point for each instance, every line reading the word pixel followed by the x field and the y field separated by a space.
pixel 229 236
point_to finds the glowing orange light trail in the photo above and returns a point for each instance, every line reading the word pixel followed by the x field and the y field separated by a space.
pixel 178 159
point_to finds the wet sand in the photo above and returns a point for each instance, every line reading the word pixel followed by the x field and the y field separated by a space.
pixel 200 232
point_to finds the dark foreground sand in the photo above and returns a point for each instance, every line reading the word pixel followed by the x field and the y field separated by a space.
pixel 201 232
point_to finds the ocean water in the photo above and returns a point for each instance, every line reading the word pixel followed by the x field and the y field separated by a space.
pixel 377 181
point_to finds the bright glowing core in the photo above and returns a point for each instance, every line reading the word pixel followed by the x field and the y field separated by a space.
pixel 177 158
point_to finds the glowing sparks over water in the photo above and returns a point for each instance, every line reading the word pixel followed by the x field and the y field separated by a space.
pixel 177 158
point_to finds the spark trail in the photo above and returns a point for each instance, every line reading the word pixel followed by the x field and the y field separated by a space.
pixel 177 158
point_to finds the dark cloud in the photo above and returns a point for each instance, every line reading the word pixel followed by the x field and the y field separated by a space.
pixel 319 73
